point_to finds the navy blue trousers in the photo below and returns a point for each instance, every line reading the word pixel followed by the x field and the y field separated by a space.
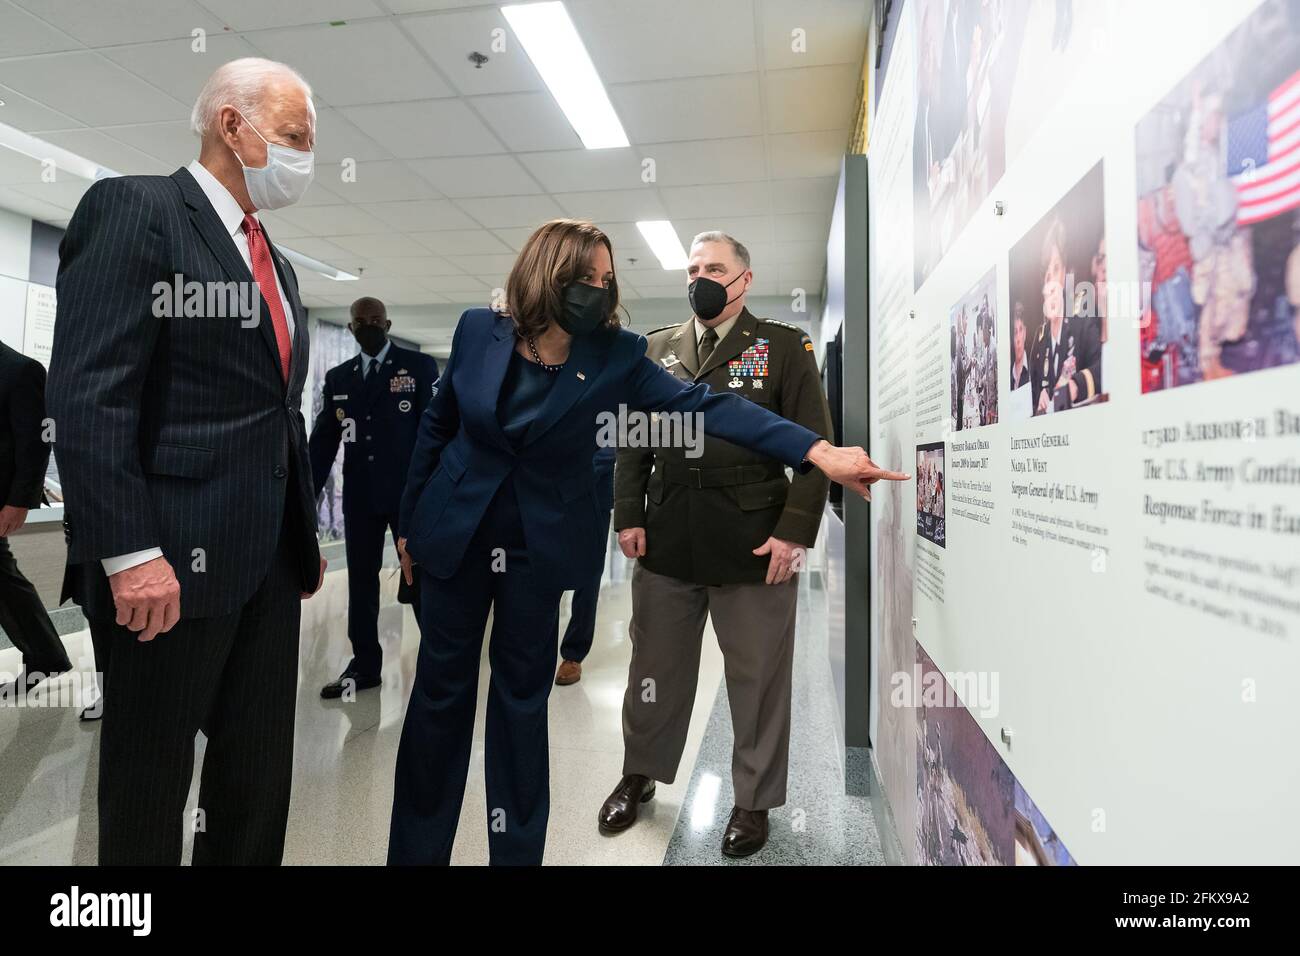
pixel 433 756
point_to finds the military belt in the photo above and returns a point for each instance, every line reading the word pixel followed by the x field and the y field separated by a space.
pixel 681 474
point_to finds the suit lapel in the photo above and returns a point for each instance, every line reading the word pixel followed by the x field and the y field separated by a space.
pixel 738 339
pixel 571 383
pixel 208 225
pixel 496 359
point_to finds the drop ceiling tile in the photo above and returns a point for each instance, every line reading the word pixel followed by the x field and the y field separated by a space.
pixel 696 162
pixel 345 220
pixel 807 226
pixel 111 22
pixel 174 66
pixel 807 155
pixel 716 107
pixel 423 215
pixel 449 38
pixel 527 121
pixel 406 265
pixel 318 194
pixel 170 143
pixel 473 298
pixel 322 249
pixel 796 277
pixel 26 114
pixel 484 265
pixel 614 205
pixel 106 151
pixel 466 242
pixel 244 15
pixel 461 177
pixel 725 199
pixel 586 169
pixel 448 285
pixel 631 40
pixel 382 181
pixel 370 61
pixel 515 237
pixel 428 128
pixel 747 229
pixel 25 205
pixel 338 140
pixel 832 31
pixel 804 195
pixel 89 88
pixel 813 98
pixel 22 34
pixel 499 212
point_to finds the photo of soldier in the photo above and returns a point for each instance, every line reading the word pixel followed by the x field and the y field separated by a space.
pixel 929 493
pixel 1218 172
pixel 987 71
pixel 1058 289
pixel 974 356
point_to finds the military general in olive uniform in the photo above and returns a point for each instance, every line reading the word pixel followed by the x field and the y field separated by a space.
pixel 721 532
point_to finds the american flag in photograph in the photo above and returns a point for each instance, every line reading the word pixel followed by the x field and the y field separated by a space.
pixel 1264 154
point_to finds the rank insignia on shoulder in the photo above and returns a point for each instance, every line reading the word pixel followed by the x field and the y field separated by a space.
pixel 784 325
pixel 735 383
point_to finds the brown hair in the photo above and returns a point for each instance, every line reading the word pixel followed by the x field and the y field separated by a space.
pixel 553 257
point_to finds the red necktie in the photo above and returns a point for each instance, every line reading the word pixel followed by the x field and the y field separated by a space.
pixel 264 273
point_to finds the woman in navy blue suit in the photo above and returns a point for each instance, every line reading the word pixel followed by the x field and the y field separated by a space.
pixel 500 514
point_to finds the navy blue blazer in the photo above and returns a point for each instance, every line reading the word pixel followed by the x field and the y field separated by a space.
pixel 462 456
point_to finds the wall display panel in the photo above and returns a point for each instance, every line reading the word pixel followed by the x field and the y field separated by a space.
pixel 1114 600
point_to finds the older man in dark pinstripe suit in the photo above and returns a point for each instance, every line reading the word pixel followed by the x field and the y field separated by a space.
pixel 183 453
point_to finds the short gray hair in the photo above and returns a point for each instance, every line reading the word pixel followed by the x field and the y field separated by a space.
pixel 239 83
pixel 715 236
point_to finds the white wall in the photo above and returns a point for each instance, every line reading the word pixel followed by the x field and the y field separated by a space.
pixel 15 249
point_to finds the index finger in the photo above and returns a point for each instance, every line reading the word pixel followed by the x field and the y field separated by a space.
pixel 891 475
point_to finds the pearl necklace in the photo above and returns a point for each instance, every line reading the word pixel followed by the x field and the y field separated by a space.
pixel 532 347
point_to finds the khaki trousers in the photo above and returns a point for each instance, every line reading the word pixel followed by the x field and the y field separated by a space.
pixel 755 628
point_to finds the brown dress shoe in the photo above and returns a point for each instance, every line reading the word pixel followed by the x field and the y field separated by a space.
pixel 570 672
pixel 746 832
pixel 619 809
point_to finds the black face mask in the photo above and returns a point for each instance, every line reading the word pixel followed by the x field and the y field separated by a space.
pixel 371 338
pixel 585 308
pixel 709 298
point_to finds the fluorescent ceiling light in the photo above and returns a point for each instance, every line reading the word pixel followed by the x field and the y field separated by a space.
pixel 548 37
pixel 662 239
pixel 43 152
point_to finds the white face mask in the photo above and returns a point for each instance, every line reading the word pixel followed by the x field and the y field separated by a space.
pixel 285 177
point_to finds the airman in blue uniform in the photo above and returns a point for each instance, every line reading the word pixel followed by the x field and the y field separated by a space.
pixel 372 404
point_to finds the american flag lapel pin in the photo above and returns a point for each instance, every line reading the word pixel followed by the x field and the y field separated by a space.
pixel 581 377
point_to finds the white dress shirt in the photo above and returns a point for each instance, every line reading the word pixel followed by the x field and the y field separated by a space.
pixel 231 215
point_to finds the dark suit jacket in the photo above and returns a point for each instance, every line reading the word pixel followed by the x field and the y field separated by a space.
pixel 173 432
pixel 384 411
pixel 462 456
pixel 23 451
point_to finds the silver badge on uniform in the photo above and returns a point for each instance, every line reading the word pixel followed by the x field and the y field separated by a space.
pixel 403 406
pixel 735 383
